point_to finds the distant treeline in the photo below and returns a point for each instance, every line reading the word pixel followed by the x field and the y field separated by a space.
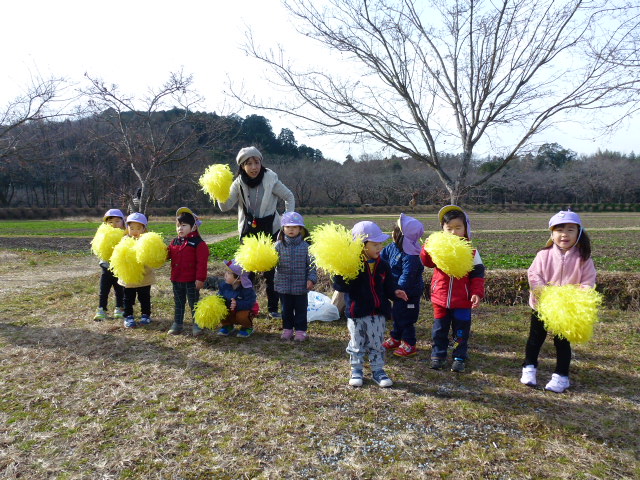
pixel 74 165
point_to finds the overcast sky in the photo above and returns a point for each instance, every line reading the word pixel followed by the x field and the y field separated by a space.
pixel 136 43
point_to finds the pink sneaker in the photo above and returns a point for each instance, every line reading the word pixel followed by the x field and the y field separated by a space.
pixel 300 336
pixel 287 334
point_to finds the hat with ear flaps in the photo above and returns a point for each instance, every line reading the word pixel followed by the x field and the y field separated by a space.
pixel 182 210
pixel 245 281
pixel 562 217
pixel 447 208
pixel 411 230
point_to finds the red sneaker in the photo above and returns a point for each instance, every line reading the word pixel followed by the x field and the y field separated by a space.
pixel 405 350
pixel 391 343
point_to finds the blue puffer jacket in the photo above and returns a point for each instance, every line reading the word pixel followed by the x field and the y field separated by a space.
pixel 369 293
pixel 406 269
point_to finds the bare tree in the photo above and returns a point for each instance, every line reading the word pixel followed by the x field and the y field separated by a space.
pixel 41 100
pixel 131 130
pixel 457 73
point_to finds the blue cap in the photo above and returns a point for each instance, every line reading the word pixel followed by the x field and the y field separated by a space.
pixel 138 218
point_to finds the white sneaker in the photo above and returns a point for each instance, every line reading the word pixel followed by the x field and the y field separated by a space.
pixel 529 376
pixel 357 378
pixel 558 383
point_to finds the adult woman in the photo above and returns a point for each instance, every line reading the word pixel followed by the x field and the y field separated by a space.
pixel 256 191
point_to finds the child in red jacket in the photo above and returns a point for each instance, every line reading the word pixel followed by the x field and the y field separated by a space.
pixel 453 298
pixel 189 255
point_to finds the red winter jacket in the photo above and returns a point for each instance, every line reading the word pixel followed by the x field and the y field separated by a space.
pixel 189 256
pixel 450 292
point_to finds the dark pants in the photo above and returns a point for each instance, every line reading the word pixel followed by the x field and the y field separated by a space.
pixel 272 296
pixel 144 297
pixel 405 316
pixel 183 291
pixel 459 321
pixel 108 280
pixel 537 336
pixel 294 311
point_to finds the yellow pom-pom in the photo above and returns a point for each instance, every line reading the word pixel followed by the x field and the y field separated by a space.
pixel 451 254
pixel 257 253
pixel 151 250
pixel 216 181
pixel 124 264
pixel 105 240
pixel 569 311
pixel 210 311
pixel 335 251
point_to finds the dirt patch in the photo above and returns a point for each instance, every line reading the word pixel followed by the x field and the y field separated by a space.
pixel 22 273
pixel 55 244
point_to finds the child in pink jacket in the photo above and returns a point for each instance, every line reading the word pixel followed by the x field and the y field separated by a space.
pixel 566 260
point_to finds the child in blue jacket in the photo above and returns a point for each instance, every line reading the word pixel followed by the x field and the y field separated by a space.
pixel 403 256
pixel 367 306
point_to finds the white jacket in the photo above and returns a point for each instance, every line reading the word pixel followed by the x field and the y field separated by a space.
pixel 274 190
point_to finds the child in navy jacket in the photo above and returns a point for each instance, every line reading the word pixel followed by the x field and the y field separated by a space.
pixel 189 255
pixel 403 256
pixel 367 306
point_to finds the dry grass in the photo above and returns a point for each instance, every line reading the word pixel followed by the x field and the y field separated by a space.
pixel 92 400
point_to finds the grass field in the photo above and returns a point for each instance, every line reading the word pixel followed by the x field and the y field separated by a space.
pixel 87 400
pixel 505 241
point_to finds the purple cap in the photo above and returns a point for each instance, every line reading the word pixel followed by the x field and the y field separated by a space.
pixel 114 212
pixel 182 210
pixel 369 232
pixel 565 216
pixel 138 218
pixel 448 208
pixel 411 230
pixel 292 219
pixel 238 270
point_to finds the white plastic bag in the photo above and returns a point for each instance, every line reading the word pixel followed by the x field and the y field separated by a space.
pixel 320 308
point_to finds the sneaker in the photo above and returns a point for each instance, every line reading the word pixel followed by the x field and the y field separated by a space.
pixel 100 315
pixel 529 376
pixel 275 315
pixel 391 343
pixel 196 330
pixel 300 336
pixel 225 331
pixel 457 365
pixel 405 350
pixel 130 322
pixel 245 332
pixel 437 363
pixel 287 334
pixel 382 379
pixel 357 378
pixel 558 383
pixel 145 319
pixel 176 329
pixel 118 313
